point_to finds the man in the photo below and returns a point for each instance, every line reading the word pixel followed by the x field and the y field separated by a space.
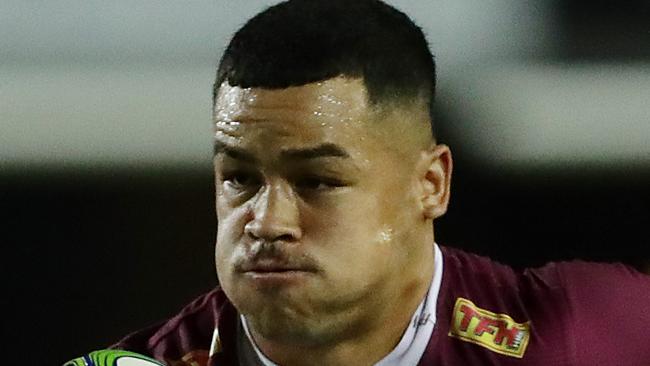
pixel 328 181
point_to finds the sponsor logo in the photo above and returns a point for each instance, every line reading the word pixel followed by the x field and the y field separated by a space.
pixel 496 332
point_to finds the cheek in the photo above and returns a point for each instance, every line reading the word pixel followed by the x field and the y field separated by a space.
pixel 230 229
pixel 364 233
pixel 350 236
pixel 338 221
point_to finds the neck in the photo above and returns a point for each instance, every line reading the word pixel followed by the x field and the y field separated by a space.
pixel 382 331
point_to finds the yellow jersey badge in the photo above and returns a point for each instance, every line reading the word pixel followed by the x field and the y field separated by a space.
pixel 496 332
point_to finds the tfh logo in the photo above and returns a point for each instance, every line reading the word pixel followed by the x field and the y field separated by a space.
pixel 496 332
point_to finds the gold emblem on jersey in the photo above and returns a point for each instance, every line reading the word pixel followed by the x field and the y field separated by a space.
pixel 496 332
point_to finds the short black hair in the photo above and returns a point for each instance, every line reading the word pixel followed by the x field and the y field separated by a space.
pixel 298 42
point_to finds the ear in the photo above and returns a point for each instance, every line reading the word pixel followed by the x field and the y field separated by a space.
pixel 435 169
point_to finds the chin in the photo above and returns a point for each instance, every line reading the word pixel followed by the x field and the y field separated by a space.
pixel 279 316
pixel 282 326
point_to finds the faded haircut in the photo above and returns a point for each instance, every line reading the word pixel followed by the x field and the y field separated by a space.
pixel 298 42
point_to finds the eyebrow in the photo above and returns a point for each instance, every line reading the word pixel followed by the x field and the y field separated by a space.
pixel 234 152
pixel 320 151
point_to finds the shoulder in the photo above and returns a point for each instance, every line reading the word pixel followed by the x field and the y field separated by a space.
pixel 478 274
pixel 592 313
pixel 577 280
pixel 186 334
pixel 602 291
pixel 498 314
pixel 591 278
pixel 610 310
pixel 522 294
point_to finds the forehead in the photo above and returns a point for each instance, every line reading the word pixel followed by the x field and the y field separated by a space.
pixel 318 111
pixel 337 96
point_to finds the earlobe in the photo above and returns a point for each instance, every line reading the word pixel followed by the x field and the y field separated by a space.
pixel 436 181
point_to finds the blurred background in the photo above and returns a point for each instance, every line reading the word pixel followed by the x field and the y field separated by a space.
pixel 106 189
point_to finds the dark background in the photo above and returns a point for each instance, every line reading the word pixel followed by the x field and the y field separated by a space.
pixel 91 254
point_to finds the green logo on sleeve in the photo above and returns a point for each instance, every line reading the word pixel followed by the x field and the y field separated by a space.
pixel 113 358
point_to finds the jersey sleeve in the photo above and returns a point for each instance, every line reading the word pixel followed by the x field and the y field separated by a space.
pixel 185 336
pixel 609 308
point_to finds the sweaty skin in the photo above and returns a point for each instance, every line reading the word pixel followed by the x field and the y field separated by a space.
pixel 325 206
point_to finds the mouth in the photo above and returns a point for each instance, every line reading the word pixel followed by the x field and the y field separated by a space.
pixel 272 266
pixel 275 270
pixel 273 273
pixel 276 280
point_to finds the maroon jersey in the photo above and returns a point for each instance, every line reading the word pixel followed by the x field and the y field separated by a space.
pixel 569 313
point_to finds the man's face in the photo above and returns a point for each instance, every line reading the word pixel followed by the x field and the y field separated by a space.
pixel 314 205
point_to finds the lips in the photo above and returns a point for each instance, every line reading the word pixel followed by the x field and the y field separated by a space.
pixel 273 266
pixel 274 274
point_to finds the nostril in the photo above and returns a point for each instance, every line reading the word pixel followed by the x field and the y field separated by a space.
pixel 252 230
pixel 285 238
pixel 272 234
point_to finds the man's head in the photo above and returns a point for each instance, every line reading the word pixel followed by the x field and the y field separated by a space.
pixel 327 175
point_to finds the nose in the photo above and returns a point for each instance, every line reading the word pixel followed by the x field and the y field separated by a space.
pixel 275 215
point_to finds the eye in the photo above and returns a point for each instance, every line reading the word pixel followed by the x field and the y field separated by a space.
pixel 317 183
pixel 241 179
